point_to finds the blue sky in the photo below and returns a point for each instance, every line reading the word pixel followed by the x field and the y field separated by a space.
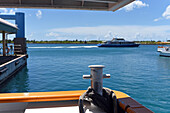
pixel 140 20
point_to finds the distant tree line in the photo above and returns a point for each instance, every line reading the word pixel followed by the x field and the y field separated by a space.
pixel 78 42
pixel 64 42
pixel 149 42
pixel 8 41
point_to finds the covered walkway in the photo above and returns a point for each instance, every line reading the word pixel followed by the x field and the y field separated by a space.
pixel 6 28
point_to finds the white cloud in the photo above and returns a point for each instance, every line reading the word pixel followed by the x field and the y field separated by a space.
pixel 31 34
pixel 52 34
pixel 107 32
pixel 29 15
pixel 110 35
pixel 8 11
pixel 135 4
pixel 12 11
pixel 39 14
pixel 157 19
pixel 3 10
pixel 166 14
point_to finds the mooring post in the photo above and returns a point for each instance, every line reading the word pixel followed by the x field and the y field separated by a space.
pixel 96 77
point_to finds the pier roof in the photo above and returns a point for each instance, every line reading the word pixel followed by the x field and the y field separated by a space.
pixel 7 26
pixel 105 5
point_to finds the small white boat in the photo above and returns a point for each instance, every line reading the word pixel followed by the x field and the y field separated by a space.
pixel 165 52
pixel 160 48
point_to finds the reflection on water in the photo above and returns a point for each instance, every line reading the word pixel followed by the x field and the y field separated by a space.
pixel 18 83
pixel 164 62
pixel 164 68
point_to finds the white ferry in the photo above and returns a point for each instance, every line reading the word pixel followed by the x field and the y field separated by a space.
pixel 118 42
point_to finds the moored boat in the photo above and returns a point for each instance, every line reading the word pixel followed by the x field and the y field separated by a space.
pixel 118 42
pixel 165 52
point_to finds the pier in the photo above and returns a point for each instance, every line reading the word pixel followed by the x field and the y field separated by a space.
pixel 12 60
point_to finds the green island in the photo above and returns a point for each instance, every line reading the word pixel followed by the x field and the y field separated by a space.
pixel 85 42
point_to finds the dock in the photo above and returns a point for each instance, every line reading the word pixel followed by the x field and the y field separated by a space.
pixel 13 58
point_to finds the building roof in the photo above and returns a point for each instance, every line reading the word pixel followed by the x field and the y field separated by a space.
pixel 105 5
pixel 7 26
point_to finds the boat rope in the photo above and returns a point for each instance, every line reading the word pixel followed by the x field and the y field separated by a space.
pixel 107 102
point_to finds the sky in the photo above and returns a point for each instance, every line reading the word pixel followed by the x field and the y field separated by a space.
pixel 140 20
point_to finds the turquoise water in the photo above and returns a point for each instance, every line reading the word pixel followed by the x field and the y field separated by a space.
pixel 139 72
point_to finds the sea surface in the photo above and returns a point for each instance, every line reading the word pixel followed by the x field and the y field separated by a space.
pixel 139 72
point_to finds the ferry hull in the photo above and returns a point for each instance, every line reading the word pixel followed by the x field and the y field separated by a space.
pixel 116 45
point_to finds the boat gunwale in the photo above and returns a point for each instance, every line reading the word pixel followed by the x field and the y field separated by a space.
pixel 47 96
pixel 125 102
